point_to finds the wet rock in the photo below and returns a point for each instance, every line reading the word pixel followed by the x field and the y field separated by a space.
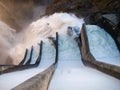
pixel 105 5
pixel 74 31
pixel 112 17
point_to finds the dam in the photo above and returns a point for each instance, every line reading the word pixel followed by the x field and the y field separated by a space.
pixel 51 53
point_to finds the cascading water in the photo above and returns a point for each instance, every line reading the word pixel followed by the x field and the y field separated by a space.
pixel 102 46
pixel 39 30
pixel 70 73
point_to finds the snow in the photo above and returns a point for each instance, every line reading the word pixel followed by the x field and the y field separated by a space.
pixel 71 74
pixel 102 43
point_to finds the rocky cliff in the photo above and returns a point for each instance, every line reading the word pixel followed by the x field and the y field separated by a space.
pixel 82 7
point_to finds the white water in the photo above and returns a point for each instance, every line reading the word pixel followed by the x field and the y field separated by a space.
pixel 41 30
pixel 70 74
pixel 11 80
pixel 102 46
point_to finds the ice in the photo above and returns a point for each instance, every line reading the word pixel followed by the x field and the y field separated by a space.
pixel 102 46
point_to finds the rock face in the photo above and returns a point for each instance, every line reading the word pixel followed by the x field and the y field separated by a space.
pixel 74 6
pixel 107 5
pixel 82 7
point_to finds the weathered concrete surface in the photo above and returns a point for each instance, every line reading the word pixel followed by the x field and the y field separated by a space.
pixel 38 82
pixel 4 67
pixel 89 59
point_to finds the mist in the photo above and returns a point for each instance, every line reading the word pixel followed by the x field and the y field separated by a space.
pixel 7 41
pixel 38 30
pixel 15 18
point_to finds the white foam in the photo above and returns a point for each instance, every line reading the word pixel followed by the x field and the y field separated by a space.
pixel 102 46
pixel 71 74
